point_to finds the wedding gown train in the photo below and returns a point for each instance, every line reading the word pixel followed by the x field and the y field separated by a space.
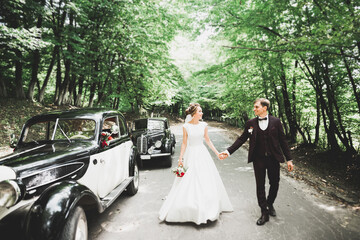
pixel 200 195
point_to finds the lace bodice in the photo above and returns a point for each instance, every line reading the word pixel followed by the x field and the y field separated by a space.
pixel 195 133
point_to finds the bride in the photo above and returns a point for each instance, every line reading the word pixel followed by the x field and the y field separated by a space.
pixel 200 194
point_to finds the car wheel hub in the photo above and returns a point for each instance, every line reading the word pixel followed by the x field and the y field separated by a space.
pixel 136 176
pixel 81 230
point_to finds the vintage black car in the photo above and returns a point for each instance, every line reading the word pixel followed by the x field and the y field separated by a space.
pixel 64 164
pixel 154 139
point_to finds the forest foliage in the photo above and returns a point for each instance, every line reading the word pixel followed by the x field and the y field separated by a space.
pixel 301 55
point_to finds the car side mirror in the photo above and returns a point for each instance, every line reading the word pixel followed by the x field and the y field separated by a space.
pixel 13 140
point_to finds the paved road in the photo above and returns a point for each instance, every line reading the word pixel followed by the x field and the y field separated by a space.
pixel 302 213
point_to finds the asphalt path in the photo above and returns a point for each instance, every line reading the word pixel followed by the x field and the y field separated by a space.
pixel 302 213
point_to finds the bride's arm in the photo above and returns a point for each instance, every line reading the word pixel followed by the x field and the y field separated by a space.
pixel 183 147
pixel 209 143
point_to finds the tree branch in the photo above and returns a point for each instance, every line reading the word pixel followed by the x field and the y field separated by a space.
pixel 270 30
pixel 289 50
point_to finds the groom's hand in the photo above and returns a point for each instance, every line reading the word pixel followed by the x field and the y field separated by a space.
pixel 223 155
pixel 290 165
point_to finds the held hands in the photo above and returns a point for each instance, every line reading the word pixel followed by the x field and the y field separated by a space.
pixel 180 163
pixel 223 155
pixel 290 166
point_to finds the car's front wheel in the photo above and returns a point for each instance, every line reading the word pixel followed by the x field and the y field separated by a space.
pixel 76 226
pixel 172 149
pixel 134 185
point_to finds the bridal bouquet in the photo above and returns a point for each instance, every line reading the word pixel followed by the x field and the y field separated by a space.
pixel 179 171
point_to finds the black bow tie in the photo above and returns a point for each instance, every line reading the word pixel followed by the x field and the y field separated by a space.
pixel 260 119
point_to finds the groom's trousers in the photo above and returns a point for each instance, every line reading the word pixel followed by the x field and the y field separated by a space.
pixel 272 167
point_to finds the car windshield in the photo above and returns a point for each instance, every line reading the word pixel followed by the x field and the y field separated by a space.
pixel 150 124
pixel 140 124
pixel 156 124
pixel 66 129
pixel 39 131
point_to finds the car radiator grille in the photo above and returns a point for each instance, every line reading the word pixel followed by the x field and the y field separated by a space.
pixel 142 145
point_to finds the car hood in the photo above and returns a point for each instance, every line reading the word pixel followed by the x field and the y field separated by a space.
pixel 138 133
pixel 27 160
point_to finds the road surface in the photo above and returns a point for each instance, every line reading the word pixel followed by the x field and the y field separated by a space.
pixel 302 213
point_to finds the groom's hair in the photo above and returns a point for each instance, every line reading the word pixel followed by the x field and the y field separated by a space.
pixel 264 102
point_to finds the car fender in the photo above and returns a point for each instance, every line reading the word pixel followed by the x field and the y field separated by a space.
pixel 167 145
pixel 48 214
pixel 133 157
pixel 173 138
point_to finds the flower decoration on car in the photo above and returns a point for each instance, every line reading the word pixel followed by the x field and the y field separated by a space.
pixel 105 139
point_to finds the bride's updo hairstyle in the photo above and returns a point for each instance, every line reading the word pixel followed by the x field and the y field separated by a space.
pixel 192 109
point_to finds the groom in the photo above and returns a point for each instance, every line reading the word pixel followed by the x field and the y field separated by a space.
pixel 267 146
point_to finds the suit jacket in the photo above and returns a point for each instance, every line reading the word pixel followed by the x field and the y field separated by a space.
pixel 277 140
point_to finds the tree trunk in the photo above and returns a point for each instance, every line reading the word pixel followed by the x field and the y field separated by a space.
pixel 78 95
pixel 84 96
pixel 280 110
pixel 264 82
pixel 72 90
pixel 3 92
pixel 58 21
pixel 92 94
pixel 102 89
pixel 58 79
pixel 327 114
pixel 46 80
pixel 117 103
pixel 20 94
pixel 34 73
pixel 338 126
pixel 64 86
pixel 316 83
pixel 3 89
pixel 287 105
pixel 352 81
pixel 35 62
pixel 318 119
pixel 352 10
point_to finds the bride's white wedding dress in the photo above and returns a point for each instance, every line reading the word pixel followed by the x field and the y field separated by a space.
pixel 200 195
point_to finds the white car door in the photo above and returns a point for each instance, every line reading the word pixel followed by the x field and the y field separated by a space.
pixel 108 168
pixel 113 167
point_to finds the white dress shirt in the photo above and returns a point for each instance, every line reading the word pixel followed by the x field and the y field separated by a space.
pixel 264 123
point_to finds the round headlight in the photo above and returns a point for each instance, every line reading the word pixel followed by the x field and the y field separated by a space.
pixel 158 144
pixel 151 150
pixel 9 193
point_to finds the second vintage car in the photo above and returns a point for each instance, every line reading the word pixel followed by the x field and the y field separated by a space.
pixel 154 139
pixel 64 164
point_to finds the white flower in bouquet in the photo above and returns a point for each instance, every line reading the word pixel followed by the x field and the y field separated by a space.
pixel 179 171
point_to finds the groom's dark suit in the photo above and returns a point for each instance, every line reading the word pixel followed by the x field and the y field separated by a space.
pixel 266 150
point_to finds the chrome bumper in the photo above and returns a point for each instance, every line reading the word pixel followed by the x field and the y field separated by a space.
pixel 148 157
